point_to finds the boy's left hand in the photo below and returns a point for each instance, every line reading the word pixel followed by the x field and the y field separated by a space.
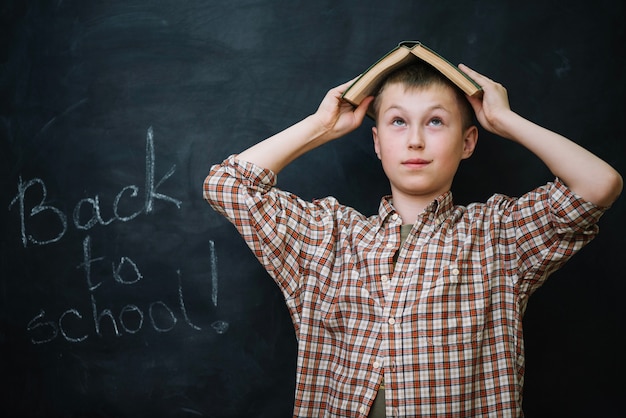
pixel 492 105
pixel 584 173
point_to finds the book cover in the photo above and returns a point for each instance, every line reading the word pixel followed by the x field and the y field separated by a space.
pixel 404 53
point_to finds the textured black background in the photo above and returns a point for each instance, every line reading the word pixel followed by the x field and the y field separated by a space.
pixel 83 82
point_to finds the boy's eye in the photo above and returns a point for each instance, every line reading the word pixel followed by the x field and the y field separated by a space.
pixel 398 122
pixel 435 122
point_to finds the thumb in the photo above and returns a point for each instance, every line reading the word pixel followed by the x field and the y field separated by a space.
pixel 361 110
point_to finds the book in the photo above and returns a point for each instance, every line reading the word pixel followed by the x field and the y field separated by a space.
pixel 404 53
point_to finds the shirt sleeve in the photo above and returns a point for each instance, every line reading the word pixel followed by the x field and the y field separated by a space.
pixel 548 226
pixel 284 232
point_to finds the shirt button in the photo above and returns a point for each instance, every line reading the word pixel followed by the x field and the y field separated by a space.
pixel 384 278
pixel 376 365
pixel 391 321
pixel 389 245
pixel 394 217
pixel 363 409
pixel 455 271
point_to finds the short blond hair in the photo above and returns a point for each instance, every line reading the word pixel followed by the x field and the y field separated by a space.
pixel 419 75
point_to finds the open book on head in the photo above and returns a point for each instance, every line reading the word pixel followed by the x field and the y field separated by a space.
pixel 404 53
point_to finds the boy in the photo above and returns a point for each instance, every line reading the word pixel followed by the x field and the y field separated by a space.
pixel 415 311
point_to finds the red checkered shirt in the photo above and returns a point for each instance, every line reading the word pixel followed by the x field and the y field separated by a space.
pixel 444 328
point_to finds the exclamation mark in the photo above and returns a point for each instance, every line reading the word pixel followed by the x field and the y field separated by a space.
pixel 219 326
pixel 213 272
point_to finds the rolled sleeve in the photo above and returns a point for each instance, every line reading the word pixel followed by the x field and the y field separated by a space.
pixel 551 225
pixel 284 232
pixel 572 214
pixel 232 177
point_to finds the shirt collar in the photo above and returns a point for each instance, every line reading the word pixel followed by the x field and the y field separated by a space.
pixel 437 211
pixel 441 208
pixel 385 209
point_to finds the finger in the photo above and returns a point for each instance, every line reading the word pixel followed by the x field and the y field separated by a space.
pixel 468 70
pixel 475 101
pixel 343 87
pixel 361 110
pixel 478 77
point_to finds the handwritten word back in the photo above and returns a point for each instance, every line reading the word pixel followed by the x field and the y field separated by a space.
pixel 90 204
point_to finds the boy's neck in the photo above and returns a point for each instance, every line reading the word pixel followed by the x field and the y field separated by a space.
pixel 409 208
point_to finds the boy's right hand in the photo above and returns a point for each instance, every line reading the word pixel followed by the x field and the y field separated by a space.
pixel 336 116
pixel 333 118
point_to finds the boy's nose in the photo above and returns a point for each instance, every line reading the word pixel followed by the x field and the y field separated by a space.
pixel 416 139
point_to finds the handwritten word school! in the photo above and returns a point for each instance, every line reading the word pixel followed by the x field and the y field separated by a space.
pixel 131 318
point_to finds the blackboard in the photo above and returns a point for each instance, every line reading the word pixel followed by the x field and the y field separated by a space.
pixel 122 294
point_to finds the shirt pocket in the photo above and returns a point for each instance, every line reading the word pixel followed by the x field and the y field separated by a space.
pixel 450 309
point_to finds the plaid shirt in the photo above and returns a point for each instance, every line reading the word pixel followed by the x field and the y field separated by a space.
pixel 444 328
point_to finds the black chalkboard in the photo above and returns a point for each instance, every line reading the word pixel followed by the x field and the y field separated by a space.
pixel 122 294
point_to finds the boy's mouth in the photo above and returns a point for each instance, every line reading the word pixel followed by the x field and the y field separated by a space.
pixel 415 162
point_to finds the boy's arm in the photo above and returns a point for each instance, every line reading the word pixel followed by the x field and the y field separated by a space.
pixel 333 118
pixel 585 174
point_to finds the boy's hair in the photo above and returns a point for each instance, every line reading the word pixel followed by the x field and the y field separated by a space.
pixel 419 75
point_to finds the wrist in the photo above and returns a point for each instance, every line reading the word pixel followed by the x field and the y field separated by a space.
pixel 507 124
pixel 319 130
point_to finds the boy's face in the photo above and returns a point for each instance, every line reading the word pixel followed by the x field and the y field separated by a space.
pixel 420 139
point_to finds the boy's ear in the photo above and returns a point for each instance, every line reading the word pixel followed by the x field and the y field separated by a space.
pixel 376 142
pixel 470 138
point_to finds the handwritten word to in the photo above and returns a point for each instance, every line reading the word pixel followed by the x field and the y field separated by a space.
pixel 130 319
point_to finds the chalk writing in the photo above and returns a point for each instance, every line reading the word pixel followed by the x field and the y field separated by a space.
pixel 91 205
pixel 151 192
pixel 213 260
pixel 48 330
pixel 73 325
pixel 37 209
pixel 219 326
